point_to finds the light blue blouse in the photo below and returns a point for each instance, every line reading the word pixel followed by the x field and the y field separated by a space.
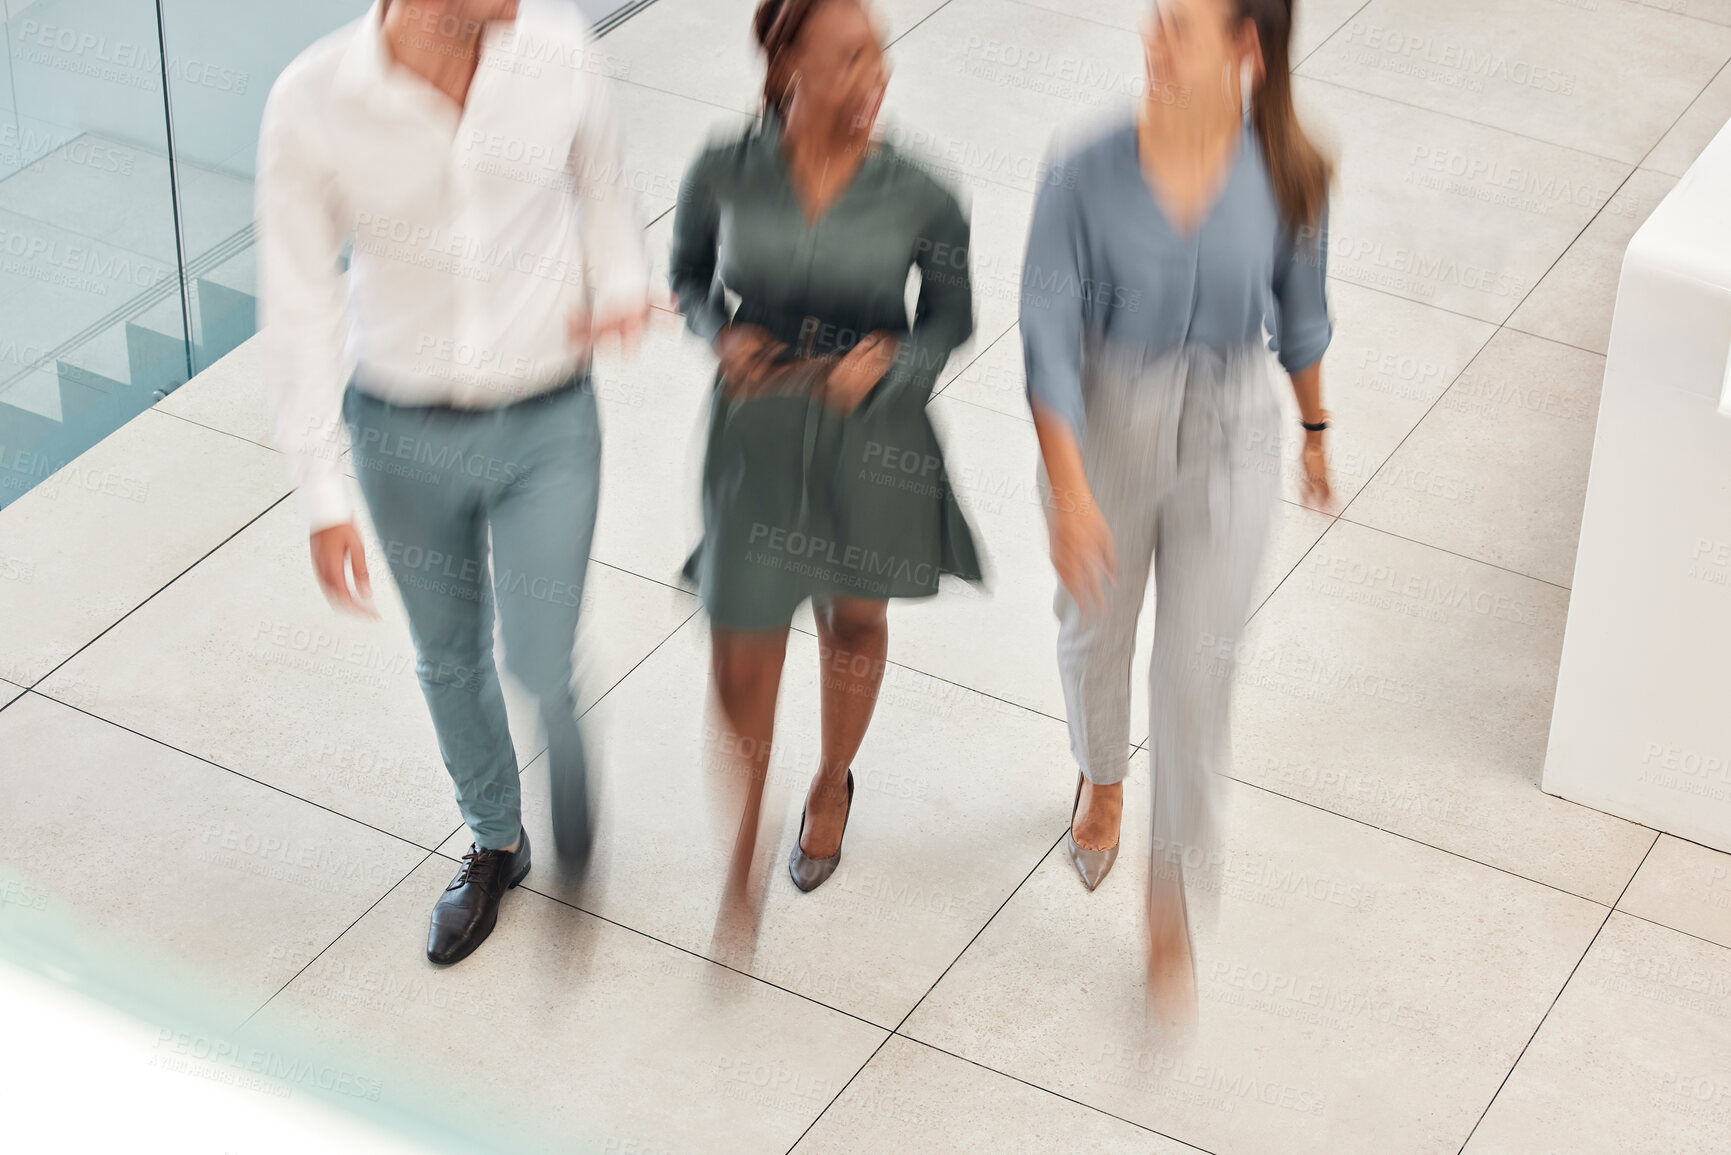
pixel 1105 263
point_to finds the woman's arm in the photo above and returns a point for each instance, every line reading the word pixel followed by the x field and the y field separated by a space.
pixel 1303 333
pixel 1052 322
pixel 1081 543
pixel 885 365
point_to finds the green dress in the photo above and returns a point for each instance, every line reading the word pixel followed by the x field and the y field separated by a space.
pixel 799 501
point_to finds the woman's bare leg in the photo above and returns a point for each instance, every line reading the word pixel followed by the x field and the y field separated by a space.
pixel 1099 813
pixel 745 666
pixel 853 637
pixel 1171 961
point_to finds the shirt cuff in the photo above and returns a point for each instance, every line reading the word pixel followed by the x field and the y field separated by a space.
pixel 621 291
pixel 326 502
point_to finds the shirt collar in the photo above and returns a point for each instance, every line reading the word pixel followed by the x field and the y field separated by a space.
pixel 368 63
pixel 367 60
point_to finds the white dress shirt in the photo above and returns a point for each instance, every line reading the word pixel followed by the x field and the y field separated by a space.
pixel 477 233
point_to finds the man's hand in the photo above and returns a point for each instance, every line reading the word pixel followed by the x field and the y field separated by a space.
pixel 862 368
pixel 747 353
pixel 335 551
pixel 587 330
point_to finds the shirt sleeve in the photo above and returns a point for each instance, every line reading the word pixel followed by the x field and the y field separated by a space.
pixel 944 311
pixel 1052 304
pixel 1302 330
pixel 303 309
pixel 615 259
pixel 696 240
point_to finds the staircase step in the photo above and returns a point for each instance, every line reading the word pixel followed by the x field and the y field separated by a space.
pixel 157 361
pixel 226 316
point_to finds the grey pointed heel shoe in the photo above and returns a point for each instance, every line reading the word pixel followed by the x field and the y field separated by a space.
pixel 810 873
pixel 1092 865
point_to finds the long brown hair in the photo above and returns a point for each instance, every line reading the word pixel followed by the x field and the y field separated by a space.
pixel 1298 169
pixel 777 24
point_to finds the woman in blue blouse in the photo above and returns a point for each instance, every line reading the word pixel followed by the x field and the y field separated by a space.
pixel 1159 253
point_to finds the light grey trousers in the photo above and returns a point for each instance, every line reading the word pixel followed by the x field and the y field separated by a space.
pixel 1182 453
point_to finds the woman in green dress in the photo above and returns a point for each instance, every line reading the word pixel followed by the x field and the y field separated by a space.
pixel 822 477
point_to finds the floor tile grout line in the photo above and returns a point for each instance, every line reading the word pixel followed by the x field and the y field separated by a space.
pixel 620 681
pixel 1626 913
pixel 1142 747
pixel 899 37
pixel 896 1030
pixel 1514 328
pixel 1672 127
pixel 1480 351
pixel 1678 10
pixel 1333 520
pixel 1050 11
pixel 666 585
pixel 959 685
pixel 1017 889
pixel 155 741
pixel 1395 100
pixel 1335 31
pixel 1047 1090
pixel 695 954
pixel 204 557
pixel 1369 825
pixel 1514 1066
pixel 31 689
pixel 322 950
pixel 1453 553
pixel 1341 279
pixel 212 428
pixel 979 355
pixel 836 1098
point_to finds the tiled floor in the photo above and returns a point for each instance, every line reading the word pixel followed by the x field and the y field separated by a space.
pixel 1413 949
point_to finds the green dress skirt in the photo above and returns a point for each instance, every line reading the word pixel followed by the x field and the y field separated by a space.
pixel 799 501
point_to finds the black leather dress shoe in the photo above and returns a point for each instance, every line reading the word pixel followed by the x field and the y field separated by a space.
pixel 468 910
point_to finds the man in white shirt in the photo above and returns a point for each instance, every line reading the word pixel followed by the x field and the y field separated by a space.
pixel 469 154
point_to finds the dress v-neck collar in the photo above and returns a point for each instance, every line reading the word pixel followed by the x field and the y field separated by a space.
pixel 1246 137
pixel 769 140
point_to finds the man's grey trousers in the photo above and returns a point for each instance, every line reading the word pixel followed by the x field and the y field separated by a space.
pixel 440 483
